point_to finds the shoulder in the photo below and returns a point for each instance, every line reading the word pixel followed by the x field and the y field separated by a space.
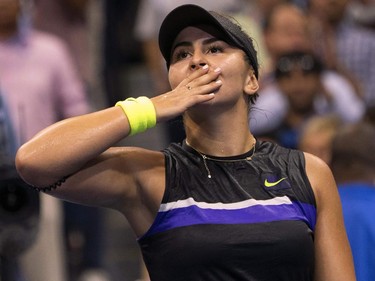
pixel 272 150
pixel 291 161
pixel 316 167
pixel 320 177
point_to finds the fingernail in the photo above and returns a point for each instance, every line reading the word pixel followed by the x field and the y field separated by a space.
pixel 205 66
pixel 218 81
pixel 217 69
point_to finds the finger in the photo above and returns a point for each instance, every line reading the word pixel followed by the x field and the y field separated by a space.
pixel 206 89
pixel 198 79
pixel 207 78
pixel 199 72
pixel 194 75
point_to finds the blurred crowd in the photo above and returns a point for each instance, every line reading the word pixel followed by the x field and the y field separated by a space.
pixel 64 58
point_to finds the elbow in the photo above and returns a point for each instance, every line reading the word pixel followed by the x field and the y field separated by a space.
pixel 25 166
pixel 35 168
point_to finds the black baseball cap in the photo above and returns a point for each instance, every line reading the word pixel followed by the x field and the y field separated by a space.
pixel 193 15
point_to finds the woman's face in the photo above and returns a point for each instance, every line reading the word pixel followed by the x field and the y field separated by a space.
pixel 195 47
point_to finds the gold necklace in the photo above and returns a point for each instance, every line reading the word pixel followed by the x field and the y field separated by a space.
pixel 205 158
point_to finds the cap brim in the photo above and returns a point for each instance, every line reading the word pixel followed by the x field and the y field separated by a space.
pixel 179 18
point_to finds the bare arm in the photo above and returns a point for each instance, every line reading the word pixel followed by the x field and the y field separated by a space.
pixel 63 148
pixel 80 147
pixel 333 259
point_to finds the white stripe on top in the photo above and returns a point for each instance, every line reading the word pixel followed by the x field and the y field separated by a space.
pixel 223 206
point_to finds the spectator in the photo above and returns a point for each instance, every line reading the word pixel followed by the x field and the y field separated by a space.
pixel 271 107
pixel 284 30
pixel 353 165
pixel 41 86
pixel 299 89
pixel 344 46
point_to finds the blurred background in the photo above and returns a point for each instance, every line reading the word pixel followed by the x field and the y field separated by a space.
pixel 60 58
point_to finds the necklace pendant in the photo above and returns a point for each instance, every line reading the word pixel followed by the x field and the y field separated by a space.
pixel 205 158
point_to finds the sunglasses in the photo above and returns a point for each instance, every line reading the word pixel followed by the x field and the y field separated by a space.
pixel 297 61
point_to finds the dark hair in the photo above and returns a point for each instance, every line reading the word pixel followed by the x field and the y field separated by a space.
pixel 193 15
pixel 305 61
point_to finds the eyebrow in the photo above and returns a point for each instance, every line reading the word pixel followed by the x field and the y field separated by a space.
pixel 189 43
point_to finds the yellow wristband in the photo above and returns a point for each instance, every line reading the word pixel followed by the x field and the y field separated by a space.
pixel 140 113
pixel 149 110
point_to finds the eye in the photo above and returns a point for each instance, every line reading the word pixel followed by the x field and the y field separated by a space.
pixel 215 49
pixel 180 54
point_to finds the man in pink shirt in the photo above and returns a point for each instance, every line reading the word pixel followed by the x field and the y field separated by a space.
pixel 41 87
pixel 37 75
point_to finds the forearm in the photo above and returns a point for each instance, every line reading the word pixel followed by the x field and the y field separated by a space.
pixel 63 148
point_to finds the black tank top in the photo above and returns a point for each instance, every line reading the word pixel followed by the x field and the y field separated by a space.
pixel 252 220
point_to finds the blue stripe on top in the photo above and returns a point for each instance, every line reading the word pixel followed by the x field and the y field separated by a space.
pixel 189 212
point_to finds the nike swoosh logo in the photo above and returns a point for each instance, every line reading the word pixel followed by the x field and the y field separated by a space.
pixel 271 184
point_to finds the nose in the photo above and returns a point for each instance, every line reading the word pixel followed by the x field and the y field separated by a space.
pixel 196 66
pixel 197 60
